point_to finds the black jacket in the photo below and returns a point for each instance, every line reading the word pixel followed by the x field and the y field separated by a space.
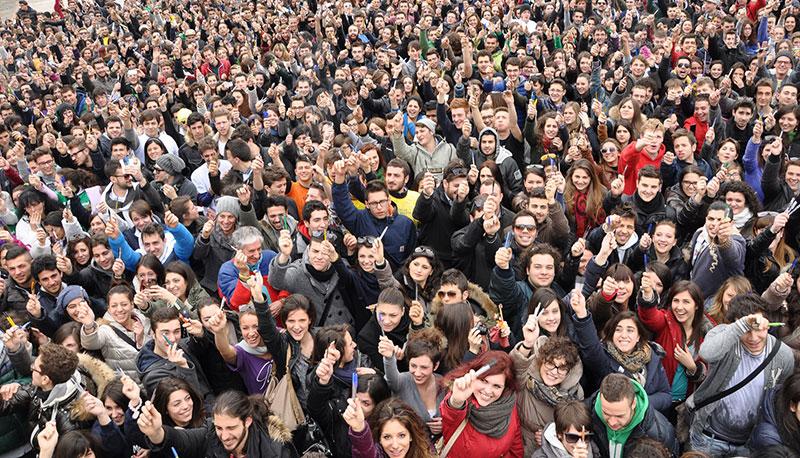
pixel 438 220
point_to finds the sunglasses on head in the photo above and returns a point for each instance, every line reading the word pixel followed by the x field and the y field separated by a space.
pixel 366 241
pixel 423 250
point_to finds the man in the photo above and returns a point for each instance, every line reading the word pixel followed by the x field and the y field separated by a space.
pixel 152 121
pixel 717 250
pixel 428 153
pixel 165 356
pixel 317 222
pixel 551 220
pixel 647 150
pixel 474 245
pixel 684 144
pixel 542 267
pixel 16 288
pixel 42 306
pixel 778 192
pixel 454 288
pixel 647 202
pixel 622 223
pixel 121 192
pixel 276 219
pixel 378 220
pixel 46 166
pixel 250 259
pixel 213 166
pixel 397 176
pixel 168 171
pixel 190 152
pixel 733 351
pixel 304 172
pixel 53 393
pixel 242 170
pixel 490 149
pixel 153 242
pixel 440 208
pixel 621 414
pixel 699 123
pixel 118 127
pixel 222 124
pixel 87 159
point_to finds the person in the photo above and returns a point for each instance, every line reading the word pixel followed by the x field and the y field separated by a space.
pixel 14 298
pixel 550 370
pixel 570 434
pixel 398 431
pixel 250 260
pixel 168 171
pixel 242 425
pixel 428 153
pixel 778 422
pixel 122 192
pixel 717 250
pixel 621 414
pixel 391 322
pixel 732 352
pixel 487 405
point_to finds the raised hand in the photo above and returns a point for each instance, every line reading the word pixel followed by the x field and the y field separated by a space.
pixel 385 347
pixel 530 331
pixel 463 387
pixel 150 423
pixel 416 313
pixel 354 416
pixel 578 303
pixel 502 258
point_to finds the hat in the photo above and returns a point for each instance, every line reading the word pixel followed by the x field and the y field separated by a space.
pixel 171 164
pixel 785 54
pixel 69 294
pixel 427 122
pixel 228 204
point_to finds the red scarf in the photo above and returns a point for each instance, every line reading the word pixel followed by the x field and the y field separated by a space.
pixel 581 219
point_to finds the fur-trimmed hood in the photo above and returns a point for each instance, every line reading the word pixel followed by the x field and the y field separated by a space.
pixel 278 431
pixel 478 299
pixel 95 376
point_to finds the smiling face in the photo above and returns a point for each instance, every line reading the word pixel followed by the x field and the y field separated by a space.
pixel 179 407
pixel 626 336
pixel 550 318
pixel 754 341
pixel 554 371
pixel 248 324
pixel 541 270
pixel 683 307
pixel 580 179
pixel 419 269
pixel 664 238
pixel 489 389
pixel 120 307
pixel 421 369
pixel 395 439
pixel 231 431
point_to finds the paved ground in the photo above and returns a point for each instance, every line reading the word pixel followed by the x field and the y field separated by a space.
pixel 8 8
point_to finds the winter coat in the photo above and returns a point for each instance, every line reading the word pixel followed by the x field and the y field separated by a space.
pixel 722 350
pixel 439 218
pixel 631 161
pixel 650 424
pixel 599 363
pixel 727 261
pixel 295 278
pixel 272 440
pixel 482 304
pixel 471 249
pixel 399 238
pixel 536 413
pixel 420 160
pixel 766 433
pixel 117 351
pixel 235 291
pixel 360 288
pixel 512 177
pixel 153 368
pixel 137 192
pixel 471 441
pixel 668 333
pixel 777 192
pixel 13 435
pixel 94 279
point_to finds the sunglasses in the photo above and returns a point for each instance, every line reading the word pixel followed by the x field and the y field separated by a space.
pixel 366 241
pixel 683 65
pixel 608 150
pixel 525 227
pixel 457 172
pixel 573 438
pixel 449 294
pixel 423 250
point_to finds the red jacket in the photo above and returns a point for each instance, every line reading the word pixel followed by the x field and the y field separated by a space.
pixel 699 128
pixel 633 161
pixel 668 333
pixel 471 443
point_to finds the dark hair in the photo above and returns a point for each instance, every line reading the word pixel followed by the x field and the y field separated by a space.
pixel 182 269
pixel 71 329
pixel 455 321
pixel 663 273
pixel 113 391
pixel 646 447
pixel 454 277
pixel 72 246
pixel 616 387
pixel 298 302
pixel 163 315
pixel 236 404
pixel 324 337
pixel 75 443
pixel 426 342
pixel 558 347
pixel 311 206
pixel 699 308
pixel 571 413
pixel 164 390
pixel 788 425
pixel 58 363
pixel 153 263
pixel 394 409
pixel 745 304
pixel 392 296
pixel 611 326
pixel 15 251
pixel 545 296
pixel 375 386
pixel 750 199
pixel 541 249
pixel 41 264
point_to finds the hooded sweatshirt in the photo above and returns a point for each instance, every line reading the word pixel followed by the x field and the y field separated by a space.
pixel 512 177
pixel 617 439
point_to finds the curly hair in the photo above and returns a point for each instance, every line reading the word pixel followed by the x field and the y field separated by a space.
pixel 750 198
pixel 58 363
pixel 557 347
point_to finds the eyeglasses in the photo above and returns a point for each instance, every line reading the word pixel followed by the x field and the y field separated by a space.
pixel 127 176
pixel 449 294
pixel 573 438
pixel 158 169
pixel 525 227
pixel 34 369
pixel 378 203
pixel 73 154
pixel 689 183
pixel 423 250
pixel 550 367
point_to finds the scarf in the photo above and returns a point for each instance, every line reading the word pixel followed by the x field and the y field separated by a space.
pixel 648 208
pixel 634 362
pixel 256 351
pixel 549 394
pixel 742 218
pixel 581 219
pixel 321 276
pixel 492 420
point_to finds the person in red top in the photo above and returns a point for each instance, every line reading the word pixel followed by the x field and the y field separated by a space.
pixel 698 123
pixel 647 150
pixel 479 415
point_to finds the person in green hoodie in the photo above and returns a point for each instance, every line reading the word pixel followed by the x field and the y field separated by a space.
pixel 621 413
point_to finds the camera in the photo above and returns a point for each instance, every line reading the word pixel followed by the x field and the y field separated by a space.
pixel 459 91
pixel 482 329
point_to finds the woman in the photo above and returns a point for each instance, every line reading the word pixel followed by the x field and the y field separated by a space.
pixel 260 433
pixel 550 370
pixel 780 421
pixel 250 357
pixel 583 198
pixel 363 278
pixel 180 281
pixel 685 188
pixel 615 295
pixel 419 387
pixel 297 315
pixel 679 329
pixel 625 349
pixel 413 113
pixel 609 161
pixel 120 334
pixel 551 312
pixel 337 359
pixel 79 252
pixel 787 118
pixel 767 253
pixel 149 275
pixel 744 204
pixel 546 139
pixel 398 431
pixel 153 149
pixel 717 305
pixel 491 419
pixel 390 321
pixel 630 111
pixel 32 208
pixel 418 278
pixel 661 246
pixel 179 404
pixel 624 133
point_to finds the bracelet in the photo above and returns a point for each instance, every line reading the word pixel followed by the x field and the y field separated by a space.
pixel 525 346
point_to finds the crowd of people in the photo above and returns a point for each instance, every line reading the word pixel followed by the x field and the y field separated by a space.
pixel 365 228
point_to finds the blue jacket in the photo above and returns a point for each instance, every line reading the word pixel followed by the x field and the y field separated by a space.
pixel 229 274
pixel 597 363
pixel 398 241
pixel 181 250
pixel 766 434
